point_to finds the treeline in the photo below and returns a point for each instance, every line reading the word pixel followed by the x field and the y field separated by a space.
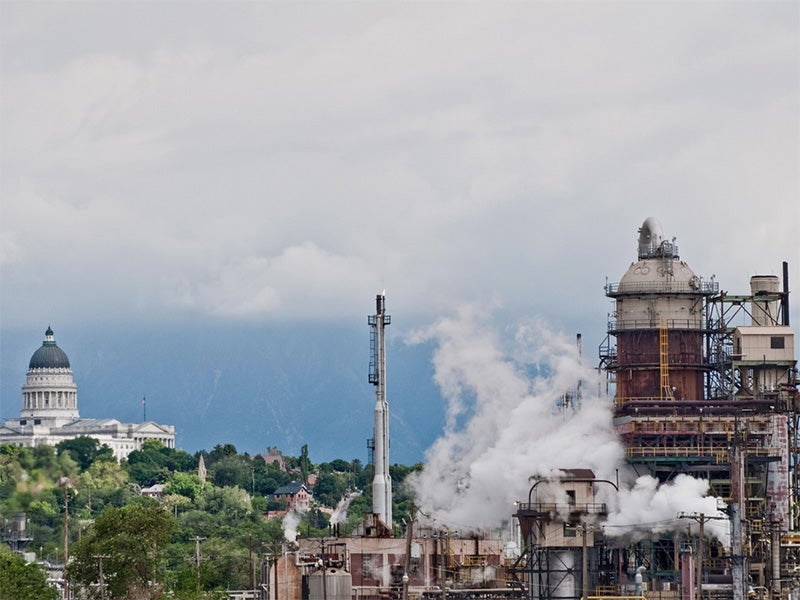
pixel 226 516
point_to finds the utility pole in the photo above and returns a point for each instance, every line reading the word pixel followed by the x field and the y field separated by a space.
pixel 323 564
pixel 443 565
pixel 100 558
pixel 197 559
pixel 701 518
pixel 407 565
pixel 66 524
pixel 285 574
pixel 65 483
pixel 585 570
pixel 252 561
pixel 277 561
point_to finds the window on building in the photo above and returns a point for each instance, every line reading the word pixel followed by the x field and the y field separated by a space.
pixel 777 342
pixel 571 497
pixel 366 565
pixel 570 531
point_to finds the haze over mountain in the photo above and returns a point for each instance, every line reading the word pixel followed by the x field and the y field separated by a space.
pixel 251 385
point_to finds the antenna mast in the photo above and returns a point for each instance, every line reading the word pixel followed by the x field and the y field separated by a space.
pixel 382 482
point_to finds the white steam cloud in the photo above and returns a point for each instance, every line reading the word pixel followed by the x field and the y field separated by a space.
pixel 506 423
pixel 503 424
pixel 290 523
pixel 648 507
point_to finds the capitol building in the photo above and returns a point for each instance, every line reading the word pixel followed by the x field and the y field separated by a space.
pixel 50 415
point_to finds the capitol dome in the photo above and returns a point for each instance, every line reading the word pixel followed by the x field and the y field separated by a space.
pixel 49 356
pixel 50 414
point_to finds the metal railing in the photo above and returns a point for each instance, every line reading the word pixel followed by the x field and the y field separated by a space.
pixel 620 401
pixel 719 455
pixel 617 324
pixel 698 287
pixel 552 507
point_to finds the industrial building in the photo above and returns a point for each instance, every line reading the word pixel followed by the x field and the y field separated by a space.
pixel 703 383
pixel 373 568
pixel 375 564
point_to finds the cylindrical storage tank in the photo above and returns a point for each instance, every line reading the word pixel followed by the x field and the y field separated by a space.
pixel 563 579
pixel 765 313
pixel 338 585
pixel 18 522
pixel 285 579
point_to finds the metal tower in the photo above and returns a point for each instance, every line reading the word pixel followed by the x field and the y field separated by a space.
pixel 382 482
pixel 706 384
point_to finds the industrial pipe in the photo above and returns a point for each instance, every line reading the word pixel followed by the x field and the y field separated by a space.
pixel 650 237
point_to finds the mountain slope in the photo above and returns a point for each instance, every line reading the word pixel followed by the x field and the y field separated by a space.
pixel 254 386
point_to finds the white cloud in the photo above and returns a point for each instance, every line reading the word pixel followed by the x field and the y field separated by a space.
pixel 223 158
pixel 289 283
pixel 9 249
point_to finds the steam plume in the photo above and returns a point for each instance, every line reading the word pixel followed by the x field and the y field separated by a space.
pixel 504 425
pixel 290 523
pixel 648 507
pixel 502 420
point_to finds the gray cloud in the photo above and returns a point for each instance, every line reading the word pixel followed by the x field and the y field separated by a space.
pixel 282 160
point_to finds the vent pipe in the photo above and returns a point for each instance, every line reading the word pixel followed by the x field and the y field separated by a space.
pixel 786 293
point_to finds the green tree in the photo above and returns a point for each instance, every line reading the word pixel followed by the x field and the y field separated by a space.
pixel 100 484
pixel 356 510
pixel 233 470
pixel 219 452
pixel 304 463
pixel 19 579
pixel 364 480
pixel 85 450
pixel 400 472
pixel 230 503
pixel 41 511
pixel 271 479
pixel 148 466
pixel 329 489
pixel 131 540
pixel 44 457
pixel 184 484
pixel 341 466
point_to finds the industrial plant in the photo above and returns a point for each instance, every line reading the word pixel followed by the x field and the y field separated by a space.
pixel 702 387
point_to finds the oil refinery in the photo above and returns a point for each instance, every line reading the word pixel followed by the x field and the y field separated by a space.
pixel 702 387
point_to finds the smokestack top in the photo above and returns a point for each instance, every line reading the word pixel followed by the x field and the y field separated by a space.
pixel 380 303
pixel 652 243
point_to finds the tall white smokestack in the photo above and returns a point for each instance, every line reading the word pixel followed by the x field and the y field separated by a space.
pixel 382 482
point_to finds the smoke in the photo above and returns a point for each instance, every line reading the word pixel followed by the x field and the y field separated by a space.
pixel 290 523
pixel 648 507
pixel 503 421
pixel 507 422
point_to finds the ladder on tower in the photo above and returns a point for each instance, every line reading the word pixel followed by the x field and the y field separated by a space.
pixel 663 361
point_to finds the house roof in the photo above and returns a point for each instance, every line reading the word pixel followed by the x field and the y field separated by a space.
pixel 290 488
pixel 578 474
pixel 756 330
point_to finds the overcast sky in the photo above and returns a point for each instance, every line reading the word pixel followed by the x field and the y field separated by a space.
pixel 274 161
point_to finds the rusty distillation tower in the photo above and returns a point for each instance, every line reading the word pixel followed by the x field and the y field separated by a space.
pixel 706 384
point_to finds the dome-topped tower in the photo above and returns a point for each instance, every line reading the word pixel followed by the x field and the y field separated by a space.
pixel 49 356
pixel 658 323
pixel 50 392
pixel 49 412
